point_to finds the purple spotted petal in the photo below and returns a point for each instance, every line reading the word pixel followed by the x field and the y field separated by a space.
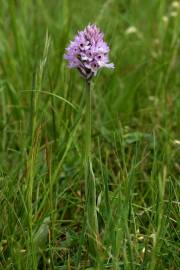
pixel 88 52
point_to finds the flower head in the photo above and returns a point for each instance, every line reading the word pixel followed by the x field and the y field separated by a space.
pixel 88 52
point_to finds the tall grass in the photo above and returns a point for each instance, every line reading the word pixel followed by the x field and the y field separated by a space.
pixel 135 143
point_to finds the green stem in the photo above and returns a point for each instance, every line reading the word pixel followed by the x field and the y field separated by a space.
pixel 90 185
pixel 88 123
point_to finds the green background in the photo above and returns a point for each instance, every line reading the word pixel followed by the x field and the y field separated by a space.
pixel 135 129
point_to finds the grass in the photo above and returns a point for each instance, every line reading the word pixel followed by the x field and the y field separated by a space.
pixel 135 143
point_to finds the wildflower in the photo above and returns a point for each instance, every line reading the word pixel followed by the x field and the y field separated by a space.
pixel 131 30
pixel 165 19
pixel 88 52
pixel 177 142
pixel 175 5
pixel 173 14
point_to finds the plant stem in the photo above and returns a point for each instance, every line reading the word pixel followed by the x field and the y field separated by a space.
pixel 90 185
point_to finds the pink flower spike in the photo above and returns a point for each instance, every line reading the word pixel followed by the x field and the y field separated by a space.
pixel 88 52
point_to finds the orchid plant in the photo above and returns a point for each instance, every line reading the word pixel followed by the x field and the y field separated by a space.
pixel 88 53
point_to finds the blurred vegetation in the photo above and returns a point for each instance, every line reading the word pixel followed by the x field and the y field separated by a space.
pixel 136 113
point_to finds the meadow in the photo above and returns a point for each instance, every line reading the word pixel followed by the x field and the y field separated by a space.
pixel 135 136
